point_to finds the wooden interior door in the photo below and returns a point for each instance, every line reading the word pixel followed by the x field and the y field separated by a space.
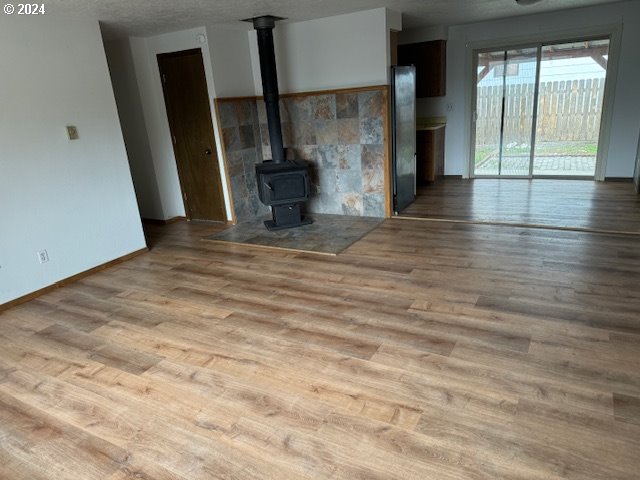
pixel 187 102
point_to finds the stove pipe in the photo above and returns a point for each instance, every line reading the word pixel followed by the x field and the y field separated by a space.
pixel 264 30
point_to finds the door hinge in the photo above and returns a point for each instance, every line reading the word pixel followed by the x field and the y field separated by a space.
pixel 164 78
pixel 175 142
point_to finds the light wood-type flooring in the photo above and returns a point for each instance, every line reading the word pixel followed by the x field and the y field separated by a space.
pixel 580 204
pixel 427 350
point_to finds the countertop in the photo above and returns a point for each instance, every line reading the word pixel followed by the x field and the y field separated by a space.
pixel 430 123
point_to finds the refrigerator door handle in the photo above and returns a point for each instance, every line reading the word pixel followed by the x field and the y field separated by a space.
pixel 415 173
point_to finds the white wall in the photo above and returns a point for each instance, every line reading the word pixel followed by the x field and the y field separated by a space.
pixel 334 52
pixel 147 74
pixel 73 198
pixel 134 129
pixel 231 61
pixel 393 23
pixel 626 114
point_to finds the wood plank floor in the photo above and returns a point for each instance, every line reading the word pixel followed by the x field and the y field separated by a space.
pixel 582 204
pixel 427 350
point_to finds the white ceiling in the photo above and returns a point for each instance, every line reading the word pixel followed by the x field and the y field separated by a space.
pixel 150 17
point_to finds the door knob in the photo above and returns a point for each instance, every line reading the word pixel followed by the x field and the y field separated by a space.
pixel 208 151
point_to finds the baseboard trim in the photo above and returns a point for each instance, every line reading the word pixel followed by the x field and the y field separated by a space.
pixel 454 177
pixel 618 179
pixel 156 221
pixel 66 281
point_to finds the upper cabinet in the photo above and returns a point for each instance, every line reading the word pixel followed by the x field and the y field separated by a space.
pixel 430 60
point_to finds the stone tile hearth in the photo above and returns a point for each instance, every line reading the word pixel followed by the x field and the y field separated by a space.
pixel 328 234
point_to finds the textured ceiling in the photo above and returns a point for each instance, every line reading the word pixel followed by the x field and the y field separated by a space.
pixel 150 17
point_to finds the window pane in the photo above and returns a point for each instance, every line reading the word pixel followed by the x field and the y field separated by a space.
pixel 489 88
pixel 518 112
pixel 572 78
pixel 503 128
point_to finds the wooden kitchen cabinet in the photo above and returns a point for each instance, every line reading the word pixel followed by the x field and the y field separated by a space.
pixel 429 154
pixel 430 60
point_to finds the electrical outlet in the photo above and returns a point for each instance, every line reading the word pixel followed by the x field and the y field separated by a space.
pixel 43 256
pixel 449 107
pixel 72 132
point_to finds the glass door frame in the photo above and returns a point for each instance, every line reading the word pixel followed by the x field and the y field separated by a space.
pixel 611 32
pixel 475 55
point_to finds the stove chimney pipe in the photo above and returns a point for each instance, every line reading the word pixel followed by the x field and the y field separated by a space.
pixel 264 29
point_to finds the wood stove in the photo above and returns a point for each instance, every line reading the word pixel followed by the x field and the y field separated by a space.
pixel 283 185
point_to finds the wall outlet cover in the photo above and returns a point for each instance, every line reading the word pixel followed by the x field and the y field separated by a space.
pixel 43 256
pixel 72 132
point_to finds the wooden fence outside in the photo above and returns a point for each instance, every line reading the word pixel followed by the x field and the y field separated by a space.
pixel 567 111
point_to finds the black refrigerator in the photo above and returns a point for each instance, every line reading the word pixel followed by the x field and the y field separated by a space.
pixel 403 136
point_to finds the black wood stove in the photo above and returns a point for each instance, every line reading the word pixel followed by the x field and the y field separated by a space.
pixel 283 185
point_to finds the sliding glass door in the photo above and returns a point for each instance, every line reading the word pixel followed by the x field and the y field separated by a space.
pixel 537 109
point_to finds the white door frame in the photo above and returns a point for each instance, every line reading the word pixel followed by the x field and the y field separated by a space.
pixel 613 32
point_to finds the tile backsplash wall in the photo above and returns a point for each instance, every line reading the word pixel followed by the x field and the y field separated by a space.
pixel 339 135
pixel 243 149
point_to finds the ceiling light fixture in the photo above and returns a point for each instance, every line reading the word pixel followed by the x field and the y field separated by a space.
pixel 526 2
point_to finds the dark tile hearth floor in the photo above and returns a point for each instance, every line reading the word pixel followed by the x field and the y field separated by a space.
pixel 328 234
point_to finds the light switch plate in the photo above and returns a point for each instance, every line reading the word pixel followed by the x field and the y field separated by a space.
pixel 72 132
